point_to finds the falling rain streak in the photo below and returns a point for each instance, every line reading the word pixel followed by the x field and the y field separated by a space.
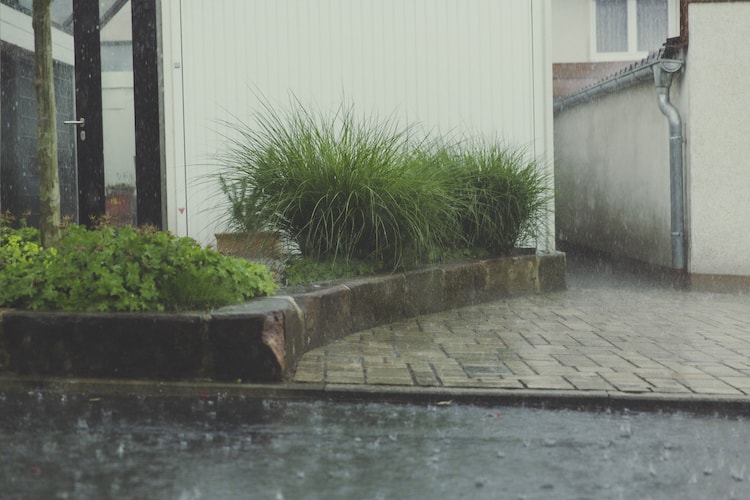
pixel 73 446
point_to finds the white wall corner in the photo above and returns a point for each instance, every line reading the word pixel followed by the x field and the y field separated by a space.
pixel 543 108
pixel 176 220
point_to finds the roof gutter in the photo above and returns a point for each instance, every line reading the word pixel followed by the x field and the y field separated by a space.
pixel 636 73
pixel 607 86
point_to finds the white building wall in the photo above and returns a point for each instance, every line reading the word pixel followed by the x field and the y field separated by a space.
pixel 718 148
pixel 612 175
pixel 571 31
pixel 466 67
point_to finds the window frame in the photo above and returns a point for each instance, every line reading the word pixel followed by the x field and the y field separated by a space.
pixel 632 53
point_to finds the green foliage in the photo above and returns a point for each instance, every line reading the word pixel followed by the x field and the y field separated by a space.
pixel 302 271
pixel 337 186
pixel 121 269
pixel 346 189
pixel 23 265
pixel 504 196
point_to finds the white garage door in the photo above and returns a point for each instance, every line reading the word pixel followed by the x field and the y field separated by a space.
pixel 466 67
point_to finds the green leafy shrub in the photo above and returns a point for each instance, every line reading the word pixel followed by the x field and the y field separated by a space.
pixel 122 269
pixel 338 187
pixel 23 265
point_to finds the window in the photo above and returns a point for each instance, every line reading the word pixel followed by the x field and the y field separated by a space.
pixel 629 29
pixel 612 25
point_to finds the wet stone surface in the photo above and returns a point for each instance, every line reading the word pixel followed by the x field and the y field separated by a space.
pixel 65 446
pixel 613 332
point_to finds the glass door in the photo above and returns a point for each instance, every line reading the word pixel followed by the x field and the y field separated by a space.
pixel 19 172
pixel 105 111
pixel 108 119
pixel 118 114
pixel 93 68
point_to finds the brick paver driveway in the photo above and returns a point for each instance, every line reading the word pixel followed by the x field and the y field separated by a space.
pixel 596 336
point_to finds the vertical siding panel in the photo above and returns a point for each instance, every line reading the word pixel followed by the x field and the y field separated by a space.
pixel 411 62
pixel 375 84
pixel 471 51
pixel 453 66
pixel 360 17
pixel 508 66
pixel 400 52
pixel 262 15
pixel 390 77
pixel 486 27
pixel 378 87
pixel 341 66
pixel 497 63
pixel 191 113
pixel 277 44
pixel 426 106
pixel 288 36
pixel 430 53
pixel 528 109
pixel 324 52
pixel 477 51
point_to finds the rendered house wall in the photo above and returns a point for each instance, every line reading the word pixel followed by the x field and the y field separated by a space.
pixel 718 147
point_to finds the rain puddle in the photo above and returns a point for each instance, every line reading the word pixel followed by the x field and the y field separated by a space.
pixel 58 446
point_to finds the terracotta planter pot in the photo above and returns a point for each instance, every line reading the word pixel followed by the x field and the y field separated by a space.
pixel 249 245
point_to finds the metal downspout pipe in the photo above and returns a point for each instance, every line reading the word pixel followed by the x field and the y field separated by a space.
pixel 663 72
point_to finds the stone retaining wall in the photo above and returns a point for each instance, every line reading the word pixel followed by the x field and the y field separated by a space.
pixel 260 340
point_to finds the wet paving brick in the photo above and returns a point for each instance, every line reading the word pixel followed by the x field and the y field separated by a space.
pixel 606 338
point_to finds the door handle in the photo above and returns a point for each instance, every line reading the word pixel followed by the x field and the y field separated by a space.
pixel 81 122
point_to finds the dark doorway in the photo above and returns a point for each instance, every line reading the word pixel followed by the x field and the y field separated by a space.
pixel 88 119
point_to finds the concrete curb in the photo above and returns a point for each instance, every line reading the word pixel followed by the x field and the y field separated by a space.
pixel 261 340
pixel 98 389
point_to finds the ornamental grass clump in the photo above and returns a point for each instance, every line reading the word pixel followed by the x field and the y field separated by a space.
pixel 504 196
pixel 121 269
pixel 362 190
pixel 339 187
